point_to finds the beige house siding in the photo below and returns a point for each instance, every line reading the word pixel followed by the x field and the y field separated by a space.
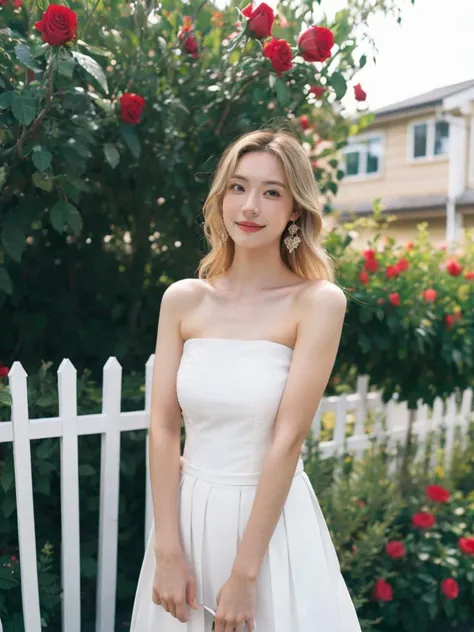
pixel 405 229
pixel 400 175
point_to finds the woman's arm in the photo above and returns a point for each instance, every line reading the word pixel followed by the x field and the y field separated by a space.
pixel 323 306
pixel 165 419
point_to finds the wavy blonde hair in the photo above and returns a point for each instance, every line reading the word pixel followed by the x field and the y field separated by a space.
pixel 309 260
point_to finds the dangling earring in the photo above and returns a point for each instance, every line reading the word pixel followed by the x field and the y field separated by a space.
pixel 292 241
pixel 223 234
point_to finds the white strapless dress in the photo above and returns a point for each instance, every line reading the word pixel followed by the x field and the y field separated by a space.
pixel 229 391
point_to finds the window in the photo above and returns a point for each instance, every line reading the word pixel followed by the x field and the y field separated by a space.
pixel 429 139
pixel 363 156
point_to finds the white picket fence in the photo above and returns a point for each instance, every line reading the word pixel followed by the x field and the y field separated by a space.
pixel 389 421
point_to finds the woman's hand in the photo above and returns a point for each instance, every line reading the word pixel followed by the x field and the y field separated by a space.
pixel 236 603
pixel 174 585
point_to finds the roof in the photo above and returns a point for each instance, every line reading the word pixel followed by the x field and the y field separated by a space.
pixel 427 99
pixel 401 204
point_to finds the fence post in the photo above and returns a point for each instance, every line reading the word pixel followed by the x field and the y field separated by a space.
pixel 70 539
pixel 109 497
pixel 24 498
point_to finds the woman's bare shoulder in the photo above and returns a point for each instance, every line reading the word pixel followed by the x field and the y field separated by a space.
pixel 321 293
pixel 183 294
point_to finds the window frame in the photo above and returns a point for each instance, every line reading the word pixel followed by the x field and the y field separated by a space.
pixel 430 140
pixel 360 139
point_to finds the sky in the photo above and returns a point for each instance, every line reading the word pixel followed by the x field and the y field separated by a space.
pixel 433 47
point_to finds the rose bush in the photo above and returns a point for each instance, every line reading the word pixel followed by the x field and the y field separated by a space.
pixel 428 574
pixel 409 324
pixel 111 120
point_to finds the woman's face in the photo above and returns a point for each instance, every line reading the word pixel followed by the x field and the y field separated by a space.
pixel 258 194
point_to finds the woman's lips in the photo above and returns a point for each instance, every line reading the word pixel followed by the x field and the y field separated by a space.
pixel 249 229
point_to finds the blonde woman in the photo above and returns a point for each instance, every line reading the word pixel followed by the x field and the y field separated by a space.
pixel 244 353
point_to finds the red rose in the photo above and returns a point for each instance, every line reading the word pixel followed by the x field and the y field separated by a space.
pixel 437 493
pixel 190 46
pixel 364 277
pixel 454 267
pixel 371 265
pixel 450 588
pixel 3 370
pixel 449 320
pixel 185 35
pixel 359 94
pixel 469 275
pixel 58 25
pixel 131 107
pixel 382 591
pixel 430 295
pixel 361 503
pixel 279 53
pixel 409 245
pixel 260 20
pixel 403 264
pixel 395 549
pixel 394 299
pixel 315 44
pixel 369 253
pixel 318 91
pixel 466 545
pixel 304 122
pixel 381 301
pixel 423 520
pixel 391 271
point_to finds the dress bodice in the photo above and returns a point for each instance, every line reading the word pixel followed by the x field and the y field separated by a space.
pixel 229 391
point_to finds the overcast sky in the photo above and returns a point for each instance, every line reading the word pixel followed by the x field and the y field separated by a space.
pixel 433 47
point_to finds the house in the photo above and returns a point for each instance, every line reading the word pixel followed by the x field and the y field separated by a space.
pixel 417 156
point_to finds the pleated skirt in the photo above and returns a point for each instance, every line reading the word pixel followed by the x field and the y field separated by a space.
pixel 299 588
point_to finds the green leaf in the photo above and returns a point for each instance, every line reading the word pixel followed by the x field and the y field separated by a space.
pixel 6 400
pixel 332 186
pixel 65 213
pixel 24 55
pixel 131 140
pixel 6 479
pixel 362 61
pixel 92 67
pixel 6 99
pixel 8 507
pixel 13 240
pixel 282 92
pixel 75 102
pixel 338 82
pixel 41 182
pixel 6 284
pixel 42 158
pixel 58 215
pixel 24 109
pixel 95 50
pixel 78 183
pixel 74 220
pixel 111 154
pixel 66 67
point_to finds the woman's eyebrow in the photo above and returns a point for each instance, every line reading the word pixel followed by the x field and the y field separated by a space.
pixel 277 182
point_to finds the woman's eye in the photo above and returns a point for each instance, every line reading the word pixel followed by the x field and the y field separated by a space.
pixel 232 186
pixel 276 193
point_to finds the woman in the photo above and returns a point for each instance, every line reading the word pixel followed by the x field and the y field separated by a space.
pixel 244 354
